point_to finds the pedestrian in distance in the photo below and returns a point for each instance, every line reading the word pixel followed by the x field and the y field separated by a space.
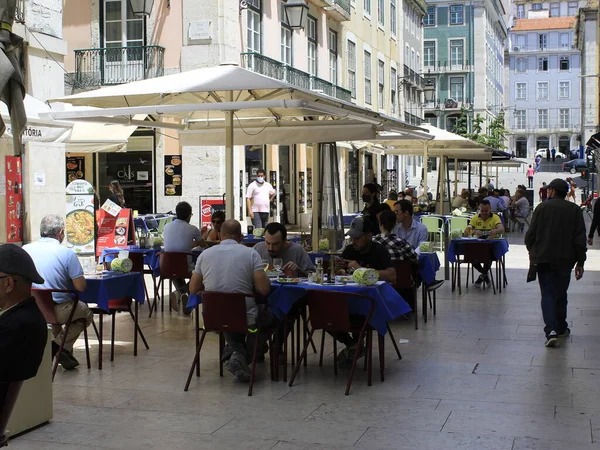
pixel 553 152
pixel 548 155
pixel 530 174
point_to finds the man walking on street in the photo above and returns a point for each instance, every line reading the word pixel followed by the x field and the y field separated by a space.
pixel 553 259
pixel 530 174
pixel 258 200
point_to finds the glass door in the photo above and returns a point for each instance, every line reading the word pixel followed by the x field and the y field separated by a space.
pixel 287 191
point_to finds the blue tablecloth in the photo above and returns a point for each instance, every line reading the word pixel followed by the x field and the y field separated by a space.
pixel 429 263
pixel 150 256
pixel 389 305
pixel 499 247
pixel 101 290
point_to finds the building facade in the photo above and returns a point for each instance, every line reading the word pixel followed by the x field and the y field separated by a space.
pixel 544 79
pixel 463 57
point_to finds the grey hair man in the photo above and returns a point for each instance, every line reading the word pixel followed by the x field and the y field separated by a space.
pixel 60 269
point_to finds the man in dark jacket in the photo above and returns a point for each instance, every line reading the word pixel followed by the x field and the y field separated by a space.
pixel 23 329
pixel 556 243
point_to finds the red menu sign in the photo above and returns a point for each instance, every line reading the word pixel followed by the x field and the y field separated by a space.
pixel 207 207
pixel 14 199
pixel 114 231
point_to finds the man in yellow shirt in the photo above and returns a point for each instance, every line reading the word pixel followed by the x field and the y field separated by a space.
pixel 485 224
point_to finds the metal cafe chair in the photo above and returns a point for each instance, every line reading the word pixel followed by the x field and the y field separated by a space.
pixel 172 265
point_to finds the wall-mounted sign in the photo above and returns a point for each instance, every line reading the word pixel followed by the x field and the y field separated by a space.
pixel 208 205
pixel 173 175
pixel 79 224
pixel 75 168
pixel 14 199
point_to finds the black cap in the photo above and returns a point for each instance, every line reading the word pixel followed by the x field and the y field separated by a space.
pixel 560 185
pixel 16 261
pixel 361 225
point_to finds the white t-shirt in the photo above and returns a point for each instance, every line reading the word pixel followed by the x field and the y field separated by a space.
pixel 259 193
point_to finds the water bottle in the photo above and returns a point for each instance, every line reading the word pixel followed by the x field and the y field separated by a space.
pixel 319 274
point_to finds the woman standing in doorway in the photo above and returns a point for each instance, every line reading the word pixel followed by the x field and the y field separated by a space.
pixel 116 193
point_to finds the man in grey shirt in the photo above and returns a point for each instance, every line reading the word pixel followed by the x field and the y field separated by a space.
pixel 181 236
pixel 296 261
pixel 231 267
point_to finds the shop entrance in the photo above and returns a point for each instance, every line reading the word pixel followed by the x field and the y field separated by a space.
pixel 287 191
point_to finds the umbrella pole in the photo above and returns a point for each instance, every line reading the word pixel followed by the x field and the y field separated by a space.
pixel 315 198
pixel 425 168
pixel 229 207
pixel 469 176
pixel 455 176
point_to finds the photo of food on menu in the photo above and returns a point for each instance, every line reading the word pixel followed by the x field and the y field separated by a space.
pixel 173 175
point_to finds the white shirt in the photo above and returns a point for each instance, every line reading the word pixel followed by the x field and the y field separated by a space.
pixel 179 236
pixel 260 193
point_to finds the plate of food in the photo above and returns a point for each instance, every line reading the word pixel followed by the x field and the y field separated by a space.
pixel 344 279
pixel 289 280
pixel 272 273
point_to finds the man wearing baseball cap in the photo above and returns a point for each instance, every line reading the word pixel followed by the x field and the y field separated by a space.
pixel 23 329
pixel 556 242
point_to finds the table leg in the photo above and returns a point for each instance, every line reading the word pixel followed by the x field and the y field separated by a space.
pixel 100 339
pixel 446 244
pixel 424 301
pixel 135 328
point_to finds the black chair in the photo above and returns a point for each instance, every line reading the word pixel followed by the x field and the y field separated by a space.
pixel 8 398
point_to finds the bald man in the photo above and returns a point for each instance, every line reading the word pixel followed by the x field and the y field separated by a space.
pixel 231 267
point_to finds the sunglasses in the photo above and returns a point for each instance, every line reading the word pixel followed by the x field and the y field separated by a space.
pixel 217 222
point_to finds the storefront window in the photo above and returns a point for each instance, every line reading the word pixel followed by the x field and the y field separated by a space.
pixel 255 160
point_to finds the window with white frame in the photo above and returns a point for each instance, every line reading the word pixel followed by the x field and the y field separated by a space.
pixel 565 40
pixel 457 88
pixel 367 7
pixel 542 90
pixel 352 68
pixel 380 83
pixel 333 55
pixel 554 9
pixel 542 118
pixel 286 38
pixel 457 15
pixel 521 91
pixel 394 89
pixel 573 7
pixel 543 41
pixel 253 26
pixel 457 53
pixel 311 37
pixel 367 70
pixel 520 11
pixel 564 63
pixel 429 19
pixel 121 29
pixel 520 119
pixel 564 89
pixel 429 54
pixel 393 12
pixel 536 6
pixel 381 12
pixel 564 118
pixel 521 64
pixel 543 64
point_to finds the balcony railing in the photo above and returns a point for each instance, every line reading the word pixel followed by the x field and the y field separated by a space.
pixel 412 77
pixel 276 69
pixel 339 10
pixel 448 103
pixel 412 119
pixel 102 66
pixel 538 49
pixel 448 66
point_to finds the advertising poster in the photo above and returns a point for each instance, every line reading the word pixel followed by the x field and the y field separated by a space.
pixel 14 199
pixel 75 168
pixel 208 205
pixel 79 223
pixel 114 231
pixel 173 178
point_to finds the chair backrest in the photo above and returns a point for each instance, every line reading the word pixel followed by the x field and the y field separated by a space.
pixel 329 309
pixel 174 264
pixel 8 397
pixel 458 223
pixel 406 274
pixel 45 302
pixel 433 224
pixel 136 258
pixel 224 311
pixel 477 252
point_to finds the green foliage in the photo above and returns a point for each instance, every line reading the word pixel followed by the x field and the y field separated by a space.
pixel 462 123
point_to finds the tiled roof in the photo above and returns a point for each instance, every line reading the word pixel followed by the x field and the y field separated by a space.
pixel 550 23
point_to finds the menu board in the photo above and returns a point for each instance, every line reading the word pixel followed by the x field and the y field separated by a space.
pixel 79 223
pixel 75 168
pixel 14 199
pixel 114 231
pixel 208 205
pixel 173 175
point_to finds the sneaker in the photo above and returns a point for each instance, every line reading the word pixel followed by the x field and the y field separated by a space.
pixel 238 367
pixel 173 300
pixel 565 333
pixel 346 356
pixel 552 339
pixel 184 301
pixel 486 282
pixel 66 361
pixel 479 281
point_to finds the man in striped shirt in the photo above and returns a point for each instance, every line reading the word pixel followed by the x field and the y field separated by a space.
pixel 398 248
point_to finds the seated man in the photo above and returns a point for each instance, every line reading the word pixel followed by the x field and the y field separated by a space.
pixel 398 248
pixel 23 329
pixel 520 208
pixel 364 252
pixel 214 234
pixel 230 267
pixel 60 269
pixel 484 223
pixel 496 202
pixel 296 261
pixel 181 236
pixel 462 200
pixel 407 228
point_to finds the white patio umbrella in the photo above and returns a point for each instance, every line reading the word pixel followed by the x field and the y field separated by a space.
pixel 227 104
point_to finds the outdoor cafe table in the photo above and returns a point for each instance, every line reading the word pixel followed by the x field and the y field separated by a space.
pixel 251 239
pixel 151 258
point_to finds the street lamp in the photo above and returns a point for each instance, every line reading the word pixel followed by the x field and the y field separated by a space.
pixel 429 91
pixel 296 13
pixel 141 7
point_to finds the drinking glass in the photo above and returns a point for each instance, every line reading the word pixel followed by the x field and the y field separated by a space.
pixel 266 263
pixel 277 263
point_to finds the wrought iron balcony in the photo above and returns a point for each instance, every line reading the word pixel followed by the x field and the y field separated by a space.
pixel 447 66
pixel 339 10
pixel 116 65
pixel 448 104
pixel 412 119
pixel 270 67
pixel 412 77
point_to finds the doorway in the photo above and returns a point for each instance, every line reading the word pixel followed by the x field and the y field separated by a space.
pixel 287 191
pixel 521 147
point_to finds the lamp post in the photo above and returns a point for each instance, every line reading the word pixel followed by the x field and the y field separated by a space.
pixel 296 13
pixel 141 7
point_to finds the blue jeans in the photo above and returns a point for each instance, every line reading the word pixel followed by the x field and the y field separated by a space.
pixel 260 219
pixel 554 282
